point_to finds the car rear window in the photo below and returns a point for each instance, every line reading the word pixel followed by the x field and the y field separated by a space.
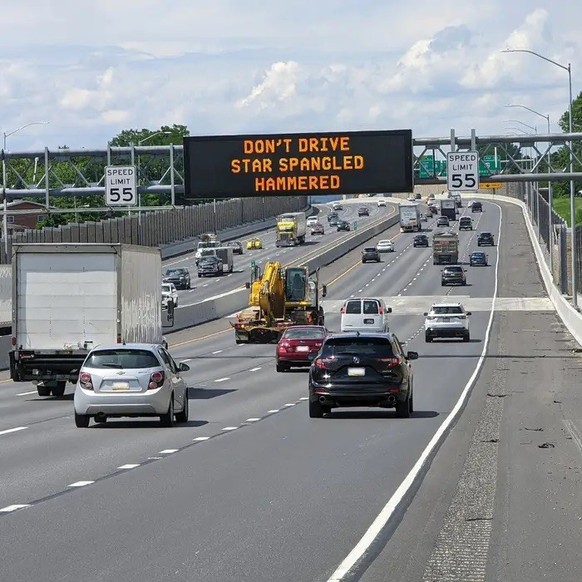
pixel 358 346
pixel 370 250
pixel 371 307
pixel 314 333
pixel 443 310
pixel 121 359
pixel 354 307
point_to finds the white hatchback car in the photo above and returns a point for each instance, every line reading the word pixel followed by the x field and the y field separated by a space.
pixel 365 314
pixel 385 246
pixel 447 320
pixel 130 380
pixel 169 291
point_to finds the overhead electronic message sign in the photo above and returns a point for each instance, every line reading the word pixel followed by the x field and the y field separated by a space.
pixel 314 164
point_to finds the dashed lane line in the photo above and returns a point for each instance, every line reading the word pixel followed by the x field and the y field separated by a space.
pixel 81 483
pixel 11 430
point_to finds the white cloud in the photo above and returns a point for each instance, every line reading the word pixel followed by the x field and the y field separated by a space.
pixel 279 84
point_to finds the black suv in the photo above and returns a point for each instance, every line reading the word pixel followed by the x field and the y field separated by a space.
pixel 361 369
pixel 485 240
pixel 476 207
pixel 363 211
pixel 465 223
pixel 453 275
pixel 343 225
pixel 236 246
pixel 420 240
pixel 179 277
pixel 370 254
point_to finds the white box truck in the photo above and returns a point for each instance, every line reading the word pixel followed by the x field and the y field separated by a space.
pixel 409 217
pixel 68 298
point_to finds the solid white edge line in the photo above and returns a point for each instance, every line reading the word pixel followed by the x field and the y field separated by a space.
pixel 10 508
pixel 230 428
pixel 383 517
pixel 200 439
pixel 168 451
pixel 129 466
pixel 11 430
pixel 81 483
pixel 27 393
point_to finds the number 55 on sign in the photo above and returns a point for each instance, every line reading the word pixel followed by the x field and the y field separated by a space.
pixel 463 171
pixel 120 186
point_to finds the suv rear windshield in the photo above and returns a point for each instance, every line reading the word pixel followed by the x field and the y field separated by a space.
pixel 370 250
pixel 465 219
pixel 443 310
pixel 122 359
pixel 357 346
pixel 453 269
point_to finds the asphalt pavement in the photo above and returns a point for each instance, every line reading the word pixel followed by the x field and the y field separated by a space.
pixel 251 488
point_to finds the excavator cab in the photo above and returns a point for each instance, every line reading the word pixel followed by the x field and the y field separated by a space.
pixel 296 284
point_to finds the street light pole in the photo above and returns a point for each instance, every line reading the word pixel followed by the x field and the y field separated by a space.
pixel 4 178
pixel 550 191
pixel 574 252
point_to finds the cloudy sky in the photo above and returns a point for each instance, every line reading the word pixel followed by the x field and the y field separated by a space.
pixel 249 66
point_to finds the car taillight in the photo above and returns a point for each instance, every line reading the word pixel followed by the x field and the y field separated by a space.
pixel 284 346
pixel 321 363
pixel 86 381
pixel 343 310
pixel 156 380
pixel 391 362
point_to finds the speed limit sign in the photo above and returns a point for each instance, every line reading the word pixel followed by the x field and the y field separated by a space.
pixel 120 186
pixel 463 171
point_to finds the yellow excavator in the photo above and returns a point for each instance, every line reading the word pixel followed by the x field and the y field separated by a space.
pixel 279 297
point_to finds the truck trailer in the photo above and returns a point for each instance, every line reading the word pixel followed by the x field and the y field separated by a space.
pixel 445 248
pixel 409 218
pixel 449 208
pixel 68 298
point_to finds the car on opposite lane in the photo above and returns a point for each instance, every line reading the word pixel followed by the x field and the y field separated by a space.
pixel 453 275
pixel 485 239
pixel 343 225
pixel 478 259
pixel 385 246
pixel 299 345
pixel 169 293
pixel 381 202
pixel 312 220
pixel 236 246
pixel 370 254
pixel 448 320
pixel 361 369
pixel 317 228
pixel 420 240
pixel 254 243
pixel 363 211
pixel 180 278
pixel 210 266
pixel 130 380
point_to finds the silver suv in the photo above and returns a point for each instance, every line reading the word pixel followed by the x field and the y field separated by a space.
pixel 449 320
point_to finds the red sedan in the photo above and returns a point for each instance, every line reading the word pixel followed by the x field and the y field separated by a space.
pixel 299 345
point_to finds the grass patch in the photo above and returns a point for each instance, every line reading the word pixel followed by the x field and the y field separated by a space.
pixel 562 208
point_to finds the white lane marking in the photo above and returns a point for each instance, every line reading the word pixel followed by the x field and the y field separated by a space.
pixel 304 398
pixel 291 404
pixel 230 428
pixel 200 439
pixel 129 466
pixel 252 420
pixel 387 511
pixel 359 290
pixel 205 285
pixel 274 410
pixel 10 430
pixel 10 508
pixel 187 360
pixel 81 483
pixel 27 393
pixel 168 451
pixel 255 369
pixel 573 430
pixel 217 352
pixel 222 379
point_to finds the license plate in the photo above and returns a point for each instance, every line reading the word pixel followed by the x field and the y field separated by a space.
pixel 369 320
pixel 302 348
pixel 120 386
pixel 356 371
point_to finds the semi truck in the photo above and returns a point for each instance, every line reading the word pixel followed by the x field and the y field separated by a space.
pixel 445 248
pixel 291 229
pixel 5 299
pixel 68 298
pixel 449 208
pixel 409 218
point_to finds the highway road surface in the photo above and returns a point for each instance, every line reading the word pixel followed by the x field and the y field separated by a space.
pixel 252 489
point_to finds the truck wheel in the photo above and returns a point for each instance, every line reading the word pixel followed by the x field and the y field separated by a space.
pixel 317 410
pixel 43 390
pixel 81 420
pixel 167 419
pixel 59 390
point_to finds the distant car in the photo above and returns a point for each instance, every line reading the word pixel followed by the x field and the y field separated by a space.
pixel 210 266
pixel 453 275
pixel 236 246
pixel 130 380
pixel 364 369
pixel 343 225
pixel 169 292
pixel 478 259
pixel 447 320
pixel 385 246
pixel 337 206
pixel 312 220
pixel 476 207
pixel 332 216
pixel 254 243
pixel 485 239
pixel 412 198
pixel 418 196
pixel 442 221
pixel 465 223
pixel 433 208
pixel 470 203
pixel 363 211
pixel 381 202
pixel 420 240
pixel 370 254
pixel 317 228
pixel 179 277
pixel 299 345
